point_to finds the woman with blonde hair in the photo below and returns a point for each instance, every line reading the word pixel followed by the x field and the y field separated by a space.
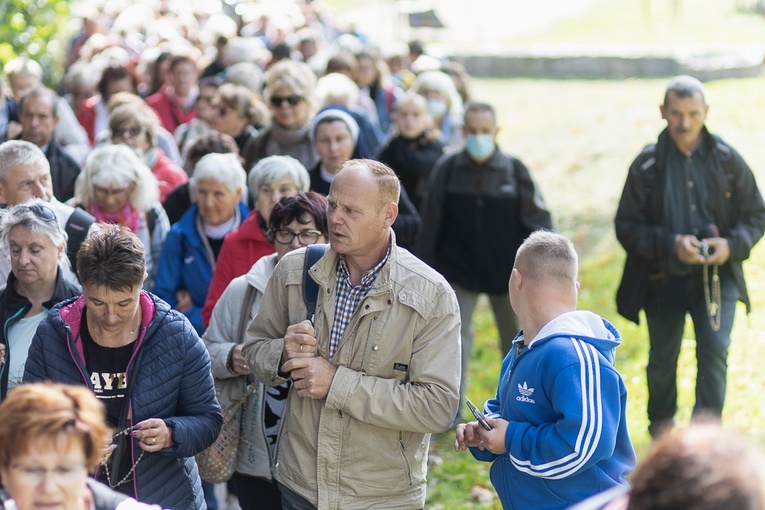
pixel 135 125
pixel 444 104
pixel 116 187
pixel 289 94
pixel 237 113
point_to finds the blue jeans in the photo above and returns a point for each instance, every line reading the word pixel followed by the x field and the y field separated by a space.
pixel 668 301
pixel 293 501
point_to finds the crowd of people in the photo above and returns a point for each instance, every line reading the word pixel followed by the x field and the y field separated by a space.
pixel 159 206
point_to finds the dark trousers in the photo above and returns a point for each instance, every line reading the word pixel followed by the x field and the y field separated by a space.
pixel 256 493
pixel 294 501
pixel 669 300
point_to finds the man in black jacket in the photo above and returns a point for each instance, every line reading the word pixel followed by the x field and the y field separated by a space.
pixel 39 116
pixel 689 215
pixel 479 206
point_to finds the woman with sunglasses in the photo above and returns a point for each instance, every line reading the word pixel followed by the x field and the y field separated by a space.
pixel 237 113
pixel 289 93
pixel 135 124
pixel 50 438
pixel 295 222
pixel 144 361
pixel 31 236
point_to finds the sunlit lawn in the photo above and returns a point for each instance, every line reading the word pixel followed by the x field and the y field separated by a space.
pixel 579 138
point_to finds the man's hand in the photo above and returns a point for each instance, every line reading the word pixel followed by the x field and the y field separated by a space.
pixel 299 341
pixel 185 303
pixel 687 249
pixel 719 250
pixel 467 436
pixel 494 440
pixel 312 376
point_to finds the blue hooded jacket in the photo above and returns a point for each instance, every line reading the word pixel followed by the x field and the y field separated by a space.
pixel 565 402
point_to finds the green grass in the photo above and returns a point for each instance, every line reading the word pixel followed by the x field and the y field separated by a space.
pixel 579 137
pixel 647 22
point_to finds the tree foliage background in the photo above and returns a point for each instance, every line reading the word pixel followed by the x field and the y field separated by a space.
pixel 36 29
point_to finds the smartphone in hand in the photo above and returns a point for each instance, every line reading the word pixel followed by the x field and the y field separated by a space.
pixel 478 415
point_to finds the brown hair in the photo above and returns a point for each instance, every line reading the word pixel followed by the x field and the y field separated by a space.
pixel 111 257
pixel 42 414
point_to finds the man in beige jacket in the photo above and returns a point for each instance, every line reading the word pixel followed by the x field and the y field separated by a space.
pixel 377 373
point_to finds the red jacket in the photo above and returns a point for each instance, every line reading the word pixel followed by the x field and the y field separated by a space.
pixel 169 175
pixel 171 114
pixel 241 249
pixel 86 116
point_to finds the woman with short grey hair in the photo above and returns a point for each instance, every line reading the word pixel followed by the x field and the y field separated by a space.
pixel 31 236
pixel 116 187
pixel 272 178
pixel 192 247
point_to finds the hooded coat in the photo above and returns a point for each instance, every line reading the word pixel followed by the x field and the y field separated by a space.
pixel 565 402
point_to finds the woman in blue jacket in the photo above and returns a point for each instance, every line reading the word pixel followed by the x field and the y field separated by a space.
pixel 191 248
pixel 144 361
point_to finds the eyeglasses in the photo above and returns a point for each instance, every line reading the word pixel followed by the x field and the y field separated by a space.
pixel 62 475
pixel 42 211
pixel 292 100
pixel 123 132
pixel 305 237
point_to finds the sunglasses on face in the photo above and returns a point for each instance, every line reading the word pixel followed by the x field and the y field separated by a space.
pixel 292 100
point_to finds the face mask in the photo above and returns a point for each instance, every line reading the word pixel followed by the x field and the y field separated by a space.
pixel 436 108
pixel 479 147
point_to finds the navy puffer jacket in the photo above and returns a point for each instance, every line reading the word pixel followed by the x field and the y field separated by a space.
pixel 173 382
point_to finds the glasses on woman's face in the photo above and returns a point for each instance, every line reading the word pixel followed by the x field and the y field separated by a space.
pixel 306 237
pixel 42 211
pixel 130 132
pixel 292 100
pixel 61 475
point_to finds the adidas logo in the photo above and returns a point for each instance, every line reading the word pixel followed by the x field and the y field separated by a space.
pixel 525 392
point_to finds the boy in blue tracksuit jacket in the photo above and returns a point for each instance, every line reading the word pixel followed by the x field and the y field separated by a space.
pixel 560 431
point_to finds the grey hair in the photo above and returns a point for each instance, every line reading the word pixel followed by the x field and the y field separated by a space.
pixel 118 166
pixel 222 168
pixel 273 168
pixel 19 152
pixel 684 86
pixel 22 215
pixel 23 65
pixel 441 82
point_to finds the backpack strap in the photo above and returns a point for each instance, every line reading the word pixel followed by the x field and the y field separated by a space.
pixel 244 316
pixel 76 229
pixel 313 253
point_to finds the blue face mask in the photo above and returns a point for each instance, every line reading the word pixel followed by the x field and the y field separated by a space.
pixel 436 108
pixel 479 147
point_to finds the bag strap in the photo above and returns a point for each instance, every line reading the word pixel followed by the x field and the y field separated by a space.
pixel 76 229
pixel 244 316
pixel 313 253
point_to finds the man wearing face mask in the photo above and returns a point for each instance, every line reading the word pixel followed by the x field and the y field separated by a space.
pixel 479 206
